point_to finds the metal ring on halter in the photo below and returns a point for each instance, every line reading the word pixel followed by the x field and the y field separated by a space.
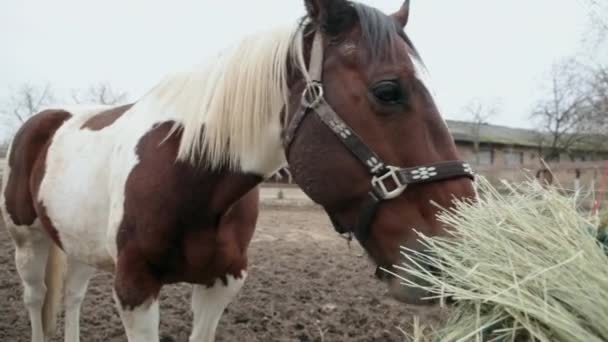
pixel 385 191
pixel 312 94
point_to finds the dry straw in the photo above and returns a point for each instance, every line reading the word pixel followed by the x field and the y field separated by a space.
pixel 524 265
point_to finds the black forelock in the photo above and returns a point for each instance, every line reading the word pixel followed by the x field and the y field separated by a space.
pixel 377 28
pixel 339 16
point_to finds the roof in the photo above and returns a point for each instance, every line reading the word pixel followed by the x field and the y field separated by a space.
pixel 464 131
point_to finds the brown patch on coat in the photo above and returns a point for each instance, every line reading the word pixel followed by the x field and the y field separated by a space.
pixel 105 118
pixel 181 223
pixel 28 147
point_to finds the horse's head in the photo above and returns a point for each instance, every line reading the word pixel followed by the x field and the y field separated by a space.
pixel 364 138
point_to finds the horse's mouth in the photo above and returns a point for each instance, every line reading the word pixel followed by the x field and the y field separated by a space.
pixel 382 274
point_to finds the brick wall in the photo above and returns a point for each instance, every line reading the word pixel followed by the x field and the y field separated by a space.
pixel 565 173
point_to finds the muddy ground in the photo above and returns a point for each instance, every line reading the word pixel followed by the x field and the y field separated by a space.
pixel 304 284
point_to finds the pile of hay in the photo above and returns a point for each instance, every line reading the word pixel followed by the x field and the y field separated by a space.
pixel 604 220
pixel 521 266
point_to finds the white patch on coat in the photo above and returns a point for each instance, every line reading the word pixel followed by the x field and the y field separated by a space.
pixel 76 282
pixel 141 323
pixel 209 303
pixel 84 183
pixel 268 157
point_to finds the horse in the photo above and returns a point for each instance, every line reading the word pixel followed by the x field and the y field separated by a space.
pixel 165 190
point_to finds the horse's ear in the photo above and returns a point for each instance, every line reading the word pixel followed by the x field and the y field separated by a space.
pixel 332 16
pixel 314 8
pixel 403 14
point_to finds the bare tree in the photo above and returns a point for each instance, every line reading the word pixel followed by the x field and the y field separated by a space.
pixel 595 39
pixel 479 113
pixel 598 12
pixel 100 93
pixel 599 99
pixel 575 111
pixel 563 114
pixel 26 101
pixel 596 121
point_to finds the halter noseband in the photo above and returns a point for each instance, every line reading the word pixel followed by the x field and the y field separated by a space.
pixel 387 181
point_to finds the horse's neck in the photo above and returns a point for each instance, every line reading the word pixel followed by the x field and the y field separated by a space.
pixel 263 159
pixel 268 157
pixel 215 189
pixel 229 189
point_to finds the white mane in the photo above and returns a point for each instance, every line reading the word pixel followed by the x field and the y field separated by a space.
pixel 222 107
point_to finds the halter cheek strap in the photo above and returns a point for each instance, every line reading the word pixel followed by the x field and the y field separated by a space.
pixel 387 181
pixel 312 94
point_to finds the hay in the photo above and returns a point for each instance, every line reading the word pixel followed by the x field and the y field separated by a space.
pixel 604 220
pixel 524 266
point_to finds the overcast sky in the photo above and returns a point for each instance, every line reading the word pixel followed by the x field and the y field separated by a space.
pixel 494 51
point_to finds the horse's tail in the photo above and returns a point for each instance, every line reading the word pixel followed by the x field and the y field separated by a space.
pixel 53 279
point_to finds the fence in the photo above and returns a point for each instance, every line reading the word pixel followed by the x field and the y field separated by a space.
pixel 590 178
pixel 569 175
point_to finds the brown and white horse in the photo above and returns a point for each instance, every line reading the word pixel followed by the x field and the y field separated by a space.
pixel 165 190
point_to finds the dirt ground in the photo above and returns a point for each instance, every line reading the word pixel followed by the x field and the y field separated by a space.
pixel 304 284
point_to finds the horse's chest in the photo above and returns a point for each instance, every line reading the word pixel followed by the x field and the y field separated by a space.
pixel 207 255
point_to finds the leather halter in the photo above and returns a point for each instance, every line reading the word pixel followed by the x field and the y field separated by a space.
pixel 387 181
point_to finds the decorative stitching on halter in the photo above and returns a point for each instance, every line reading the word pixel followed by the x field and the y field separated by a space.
pixel 374 164
pixel 340 129
pixel 424 172
pixel 467 168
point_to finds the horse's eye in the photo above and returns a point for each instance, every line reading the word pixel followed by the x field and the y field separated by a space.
pixel 388 92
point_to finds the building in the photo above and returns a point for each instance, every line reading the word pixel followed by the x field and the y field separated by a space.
pixel 504 152
pixel 511 147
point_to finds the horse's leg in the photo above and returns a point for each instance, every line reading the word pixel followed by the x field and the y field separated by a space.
pixel 208 304
pixel 31 252
pixel 234 234
pixel 77 280
pixel 136 295
pixel 141 322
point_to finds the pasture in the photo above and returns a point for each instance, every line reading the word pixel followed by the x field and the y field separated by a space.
pixel 305 284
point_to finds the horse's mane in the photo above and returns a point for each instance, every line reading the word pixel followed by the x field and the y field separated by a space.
pixel 223 107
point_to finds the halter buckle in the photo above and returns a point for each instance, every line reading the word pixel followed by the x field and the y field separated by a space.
pixel 312 94
pixel 384 191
